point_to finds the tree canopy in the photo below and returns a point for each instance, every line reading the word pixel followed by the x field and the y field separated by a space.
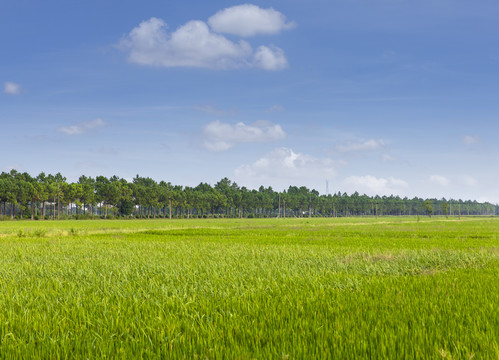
pixel 51 196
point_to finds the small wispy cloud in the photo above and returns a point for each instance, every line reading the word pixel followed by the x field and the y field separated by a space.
pixel 213 110
pixel 372 144
pixel 471 140
pixel 108 151
pixel 82 127
pixel 276 108
pixel 12 88
pixel 221 136
pixel 468 180
pixel 387 158
pixel 439 180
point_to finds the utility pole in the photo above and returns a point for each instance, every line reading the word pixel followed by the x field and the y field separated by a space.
pixel 58 201
pixel 279 215
pixel 170 208
pixel 376 210
pixel 310 206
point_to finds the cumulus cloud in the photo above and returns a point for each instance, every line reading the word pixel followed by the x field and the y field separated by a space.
pixel 195 44
pixel 372 185
pixel 249 20
pixel 439 180
pixel 471 140
pixel 372 144
pixel 82 127
pixel 12 88
pixel 221 136
pixel 283 165
pixel 270 58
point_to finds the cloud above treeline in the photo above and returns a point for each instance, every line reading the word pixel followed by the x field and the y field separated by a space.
pixel 220 136
pixel 201 44
pixel 439 180
pixel 284 166
pixel 372 185
pixel 82 127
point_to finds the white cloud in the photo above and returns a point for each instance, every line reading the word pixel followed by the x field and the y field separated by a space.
pixel 471 140
pixel 372 144
pixel 439 180
pixel 284 166
pixel 270 58
pixel 195 44
pixel 372 185
pixel 249 20
pixel 82 127
pixel 221 136
pixel 12 88
pixel 192 45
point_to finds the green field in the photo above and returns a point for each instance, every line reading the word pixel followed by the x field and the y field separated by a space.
pixel 392 288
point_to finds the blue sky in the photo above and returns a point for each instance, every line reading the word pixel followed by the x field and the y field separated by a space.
pixel 375 96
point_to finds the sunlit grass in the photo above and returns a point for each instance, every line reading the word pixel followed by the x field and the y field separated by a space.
pixel 293 288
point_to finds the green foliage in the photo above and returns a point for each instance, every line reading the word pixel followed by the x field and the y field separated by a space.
pixel 297 288
pixel 445 208
pixel 126 207
pixel 50 196
pixel 428 206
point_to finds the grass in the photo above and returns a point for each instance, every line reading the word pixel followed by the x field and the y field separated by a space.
pixel 243 289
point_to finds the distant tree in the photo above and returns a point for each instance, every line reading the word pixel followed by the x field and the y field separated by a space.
pixel 125 203
pixel 428 207
pixel 445 207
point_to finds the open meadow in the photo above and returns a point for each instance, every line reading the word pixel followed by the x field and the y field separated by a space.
pixel 393 287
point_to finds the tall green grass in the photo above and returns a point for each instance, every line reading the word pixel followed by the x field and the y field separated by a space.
pixel 216 289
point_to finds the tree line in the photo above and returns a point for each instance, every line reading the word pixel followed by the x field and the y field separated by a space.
pixel 49 196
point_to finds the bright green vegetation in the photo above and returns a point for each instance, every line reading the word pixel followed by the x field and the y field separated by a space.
pixel 242 289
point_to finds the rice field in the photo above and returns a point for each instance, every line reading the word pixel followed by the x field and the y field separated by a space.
pixel 349 288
